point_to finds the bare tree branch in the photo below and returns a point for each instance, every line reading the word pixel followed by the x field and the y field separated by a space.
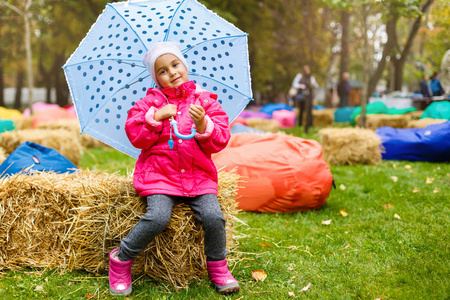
pixel 12 7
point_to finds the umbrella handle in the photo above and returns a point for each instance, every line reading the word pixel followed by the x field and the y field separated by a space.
pixel 181 136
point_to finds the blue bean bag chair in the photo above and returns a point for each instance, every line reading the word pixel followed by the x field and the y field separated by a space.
pixel 431 143
pixel 271 107
pixel 343 114
pixel 31 156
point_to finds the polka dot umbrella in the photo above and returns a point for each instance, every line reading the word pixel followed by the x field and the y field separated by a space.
pixel 106 76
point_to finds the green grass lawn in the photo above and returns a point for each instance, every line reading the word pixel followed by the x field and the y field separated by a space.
pixel 393 244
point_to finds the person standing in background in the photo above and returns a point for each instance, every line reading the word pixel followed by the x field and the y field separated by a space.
pixel 435 85
pixel 305 83
pixel 343 90
pixel 425 89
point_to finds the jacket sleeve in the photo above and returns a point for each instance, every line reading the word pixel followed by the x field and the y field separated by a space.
pixel 296 81
pixel 220 133
pixel 141 133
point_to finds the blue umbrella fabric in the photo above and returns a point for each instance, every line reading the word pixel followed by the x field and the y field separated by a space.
pixel 106 75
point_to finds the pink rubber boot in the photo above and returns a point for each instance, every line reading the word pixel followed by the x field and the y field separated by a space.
pixel 221 276
pixel 119 275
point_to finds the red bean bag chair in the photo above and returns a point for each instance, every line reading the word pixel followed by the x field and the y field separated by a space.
pixel 281 173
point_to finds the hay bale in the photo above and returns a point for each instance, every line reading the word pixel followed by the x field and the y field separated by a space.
pixel 323 118
pixel 415 115
pixel 379 120
pixel 3 155
pixel 23 123
pixel 72 221
pixel 87 141
pixel 63 141
pixel 351 146
pixel 422 123
pixel 263 124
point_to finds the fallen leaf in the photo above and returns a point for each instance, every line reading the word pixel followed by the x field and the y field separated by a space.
pixel 259 275
pixel 306 288
pixel 389 205
pixel 290 269
pixel 394 178
pixel 89 296
pixel 429 180
pixel 264 245
pixel 415 190
pixel 39 288
pixel 407 167
pixel 343 213
pixel 436 190
pixel 342 187
pixel 348 245
pixel 327 222
pixel 397 216
pixel 291 294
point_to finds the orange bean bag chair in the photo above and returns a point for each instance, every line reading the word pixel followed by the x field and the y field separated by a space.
pixel 281 173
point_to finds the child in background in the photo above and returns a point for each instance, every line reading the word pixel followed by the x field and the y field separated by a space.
pixel 184 174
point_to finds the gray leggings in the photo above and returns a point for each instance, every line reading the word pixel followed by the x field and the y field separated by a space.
pixel 159 209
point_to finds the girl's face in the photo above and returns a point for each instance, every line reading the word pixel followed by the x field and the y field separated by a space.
pixel 170 71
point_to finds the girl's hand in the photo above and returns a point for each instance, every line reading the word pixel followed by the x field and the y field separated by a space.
pixel 197 113
pixel 167 111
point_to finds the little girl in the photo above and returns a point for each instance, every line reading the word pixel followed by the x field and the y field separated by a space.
pixel 181 173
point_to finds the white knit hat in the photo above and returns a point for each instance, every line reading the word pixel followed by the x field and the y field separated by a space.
pixel 158 50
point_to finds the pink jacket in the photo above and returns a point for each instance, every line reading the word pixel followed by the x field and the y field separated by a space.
pixel 187 169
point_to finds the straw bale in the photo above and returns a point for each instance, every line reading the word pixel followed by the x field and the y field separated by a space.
pixel 3 155
pixel 23 123
pixel 324 117
pixel 64 141
pixel 72 221
pixel 263 124
pixel 351 146
pixel 86 140
pixel 415 115
pixel 379 120
pixel 422 123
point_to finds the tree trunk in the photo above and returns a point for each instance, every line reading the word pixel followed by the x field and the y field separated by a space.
pixel 399 65
pixel 306 29
pixel 30 79
pixel 62 91
pixel 345 23
pixel 388 47
pixel 19 86
pixel 400 62
pixel 47 76
pixel 2 87
pixel 366 63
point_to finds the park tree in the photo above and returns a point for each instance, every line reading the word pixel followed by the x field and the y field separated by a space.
pixel 23 9
pixel 435 40
pixel 57 41
pixel 396 10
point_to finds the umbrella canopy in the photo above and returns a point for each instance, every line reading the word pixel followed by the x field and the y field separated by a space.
pixel 106 75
